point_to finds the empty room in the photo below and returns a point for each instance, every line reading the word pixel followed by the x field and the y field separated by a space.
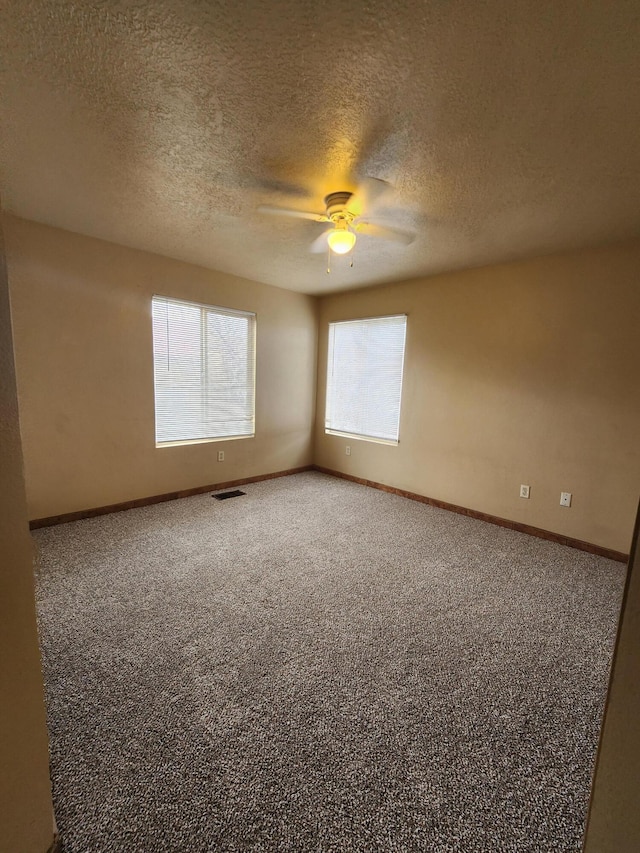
pixel 320 442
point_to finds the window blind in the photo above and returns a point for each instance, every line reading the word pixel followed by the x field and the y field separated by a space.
pixel 364 377
pixel 204 371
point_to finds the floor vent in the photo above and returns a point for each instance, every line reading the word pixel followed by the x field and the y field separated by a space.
pixel 222 496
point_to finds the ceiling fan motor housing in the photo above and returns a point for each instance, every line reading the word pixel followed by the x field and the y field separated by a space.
pixel 336 204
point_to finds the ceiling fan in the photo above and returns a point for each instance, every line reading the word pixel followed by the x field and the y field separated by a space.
pixel 346 213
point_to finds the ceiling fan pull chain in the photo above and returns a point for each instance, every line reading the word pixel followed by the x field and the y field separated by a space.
pixel 328 261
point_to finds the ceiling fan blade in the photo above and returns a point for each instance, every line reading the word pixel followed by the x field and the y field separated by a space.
pixel 320 243
pixel 367 193
pixel 283 187
pixel 295 214
pixel 385 233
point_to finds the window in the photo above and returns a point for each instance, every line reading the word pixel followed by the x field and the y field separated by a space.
pixel 364 377
pixel 204 371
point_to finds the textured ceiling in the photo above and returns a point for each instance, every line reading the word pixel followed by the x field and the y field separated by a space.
pixel 508 129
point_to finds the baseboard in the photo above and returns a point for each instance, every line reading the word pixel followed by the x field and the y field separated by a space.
pixel 56 846
pixel 579 544
pixel 51 520
pixel 483 516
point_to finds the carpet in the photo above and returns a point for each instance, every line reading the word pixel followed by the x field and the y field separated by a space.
pixel 320 666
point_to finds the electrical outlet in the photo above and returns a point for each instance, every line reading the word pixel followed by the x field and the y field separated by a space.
pixel 565 498
pixel 221 456
pixel 524 491
pixel 347 450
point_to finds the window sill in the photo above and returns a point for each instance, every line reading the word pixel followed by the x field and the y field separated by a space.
pixel 161 444
pixel 357 437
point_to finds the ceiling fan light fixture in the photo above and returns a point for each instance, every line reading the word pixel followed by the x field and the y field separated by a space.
pixel 341 240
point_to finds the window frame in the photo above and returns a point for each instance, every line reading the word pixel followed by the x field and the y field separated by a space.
pixel 251 366
pixel 330 372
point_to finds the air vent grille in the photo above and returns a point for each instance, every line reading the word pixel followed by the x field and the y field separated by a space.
pixel 222 496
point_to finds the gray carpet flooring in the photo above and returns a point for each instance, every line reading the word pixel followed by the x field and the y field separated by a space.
pixel 319 666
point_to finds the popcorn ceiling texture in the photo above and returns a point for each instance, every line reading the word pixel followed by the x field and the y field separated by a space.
pixel 508 129
pixel 318 666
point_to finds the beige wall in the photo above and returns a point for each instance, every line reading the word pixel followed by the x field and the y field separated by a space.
pixel 521 373
pixel 26 816
pixel 614 818
pixel 518 373
pixel 81 313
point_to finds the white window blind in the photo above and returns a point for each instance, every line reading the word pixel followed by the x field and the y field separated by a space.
pixel 204 371
pixel 364 377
